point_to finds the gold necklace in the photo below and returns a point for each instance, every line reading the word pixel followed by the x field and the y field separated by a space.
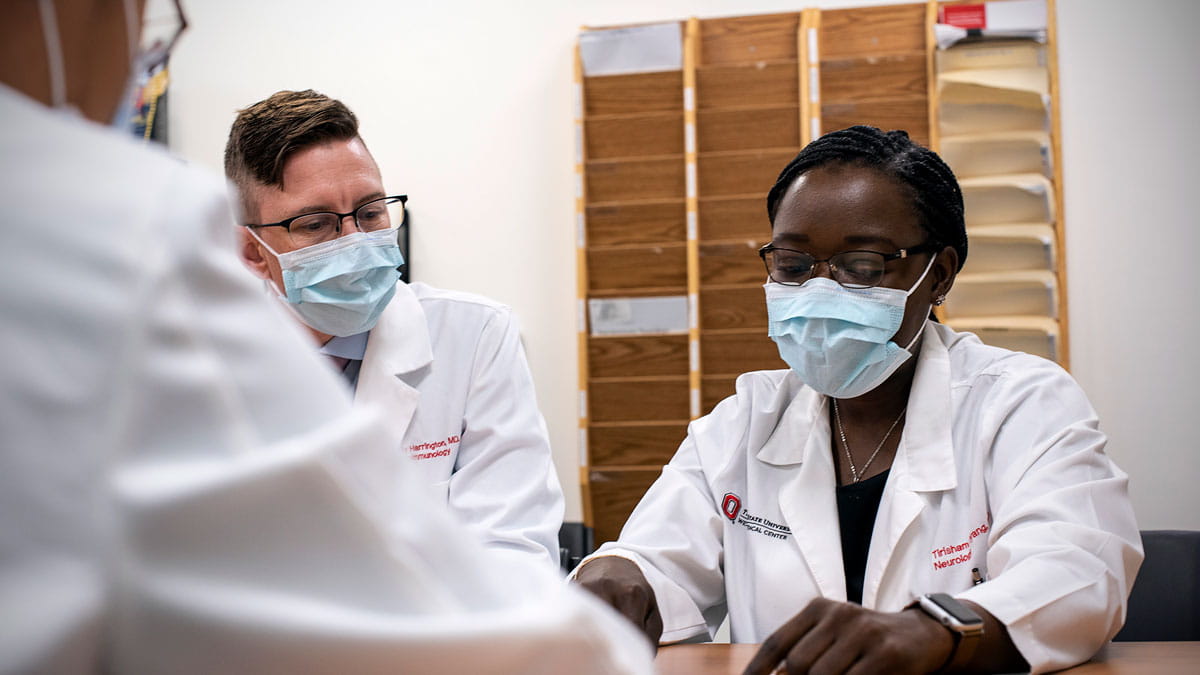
pixel 846 446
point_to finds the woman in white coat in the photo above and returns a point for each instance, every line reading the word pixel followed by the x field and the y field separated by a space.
pixel 895 458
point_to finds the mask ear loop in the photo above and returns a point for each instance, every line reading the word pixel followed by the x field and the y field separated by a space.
pixel 54 54
pixel 260 240
pixel 928 267
pixel 268 282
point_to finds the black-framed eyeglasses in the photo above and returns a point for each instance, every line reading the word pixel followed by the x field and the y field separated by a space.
pixel 852 269
pixel 308 229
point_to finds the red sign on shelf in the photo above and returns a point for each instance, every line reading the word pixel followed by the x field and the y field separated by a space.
pixel 965 16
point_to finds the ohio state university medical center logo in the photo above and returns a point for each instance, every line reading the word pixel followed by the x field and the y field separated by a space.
pixel 731 506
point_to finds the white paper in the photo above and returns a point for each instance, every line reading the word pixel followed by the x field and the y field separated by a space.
pixel 1032 335
pixel 992 54
pixel 981 118
pixel 639 316
pixel 1010 19
pixel 1027 292
pixel 1019 198
pixel 997 153
pixel 999 248
pixel 637 49
pixel 1007 81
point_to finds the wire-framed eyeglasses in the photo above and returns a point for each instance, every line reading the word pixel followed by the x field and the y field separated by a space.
pixel 852 269
pixel 321 226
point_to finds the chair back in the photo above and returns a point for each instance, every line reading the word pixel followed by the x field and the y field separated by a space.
pixel 1164 604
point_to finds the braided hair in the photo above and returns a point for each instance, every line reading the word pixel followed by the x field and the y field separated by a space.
pixel 934 188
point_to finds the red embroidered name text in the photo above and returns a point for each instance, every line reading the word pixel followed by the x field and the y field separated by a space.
pixel 956 554
pixel 433 449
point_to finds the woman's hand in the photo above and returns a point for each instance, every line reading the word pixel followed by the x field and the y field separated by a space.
pixel 620 583
pixel 829 637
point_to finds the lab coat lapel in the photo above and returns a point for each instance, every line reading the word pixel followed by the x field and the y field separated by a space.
pixel 806 499
pixel 398 345
pixel 924 464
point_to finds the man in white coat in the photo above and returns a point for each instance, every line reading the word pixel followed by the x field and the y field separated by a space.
pixel 184 485
pixel 447 368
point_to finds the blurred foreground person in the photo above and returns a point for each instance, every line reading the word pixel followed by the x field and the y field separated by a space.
pixel 184 486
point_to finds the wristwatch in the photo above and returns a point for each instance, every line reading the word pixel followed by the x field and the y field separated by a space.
pixel 963 623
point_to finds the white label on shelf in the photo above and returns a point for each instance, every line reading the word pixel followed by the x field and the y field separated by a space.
pixel 582 404
pixel 695 400
pixel 815 127
pixel 689 99
pixel 580 231
pixel 691 226
pixel 578 101
pixel 579 143
pixel 636 49
pixel 638 316
pixel 580 317
pixel 693 311
pixel 689 137
pixel 814 54
pixel 691 180
pixel 579 185
pixel 814 84
pixel 583 447
pixel 694 355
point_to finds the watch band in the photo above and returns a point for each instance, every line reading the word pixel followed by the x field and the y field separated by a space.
pixel 964 648
pixel 964 625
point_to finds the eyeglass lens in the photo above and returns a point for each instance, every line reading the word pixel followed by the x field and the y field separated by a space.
pixel 316 228
pixel 853 269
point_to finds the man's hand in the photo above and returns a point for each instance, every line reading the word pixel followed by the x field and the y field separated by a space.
pixel 620 583
pixel 829 637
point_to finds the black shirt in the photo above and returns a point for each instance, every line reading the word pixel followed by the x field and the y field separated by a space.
pixel 857 505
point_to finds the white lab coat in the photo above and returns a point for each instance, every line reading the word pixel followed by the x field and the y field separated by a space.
pixel 449 373
pixel 184 485
pixel 1000 467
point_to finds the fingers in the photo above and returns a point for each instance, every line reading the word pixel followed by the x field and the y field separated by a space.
pixel 776 647
pixel 621 584
pixel 830 637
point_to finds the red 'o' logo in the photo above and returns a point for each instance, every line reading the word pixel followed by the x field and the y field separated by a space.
pixel 731 506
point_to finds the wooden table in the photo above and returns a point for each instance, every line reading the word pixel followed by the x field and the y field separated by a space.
pixel 1117 658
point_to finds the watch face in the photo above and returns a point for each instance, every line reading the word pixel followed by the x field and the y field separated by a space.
pixel 954 608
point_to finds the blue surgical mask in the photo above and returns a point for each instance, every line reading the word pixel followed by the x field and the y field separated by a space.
pixel 838 340
pixel 340 287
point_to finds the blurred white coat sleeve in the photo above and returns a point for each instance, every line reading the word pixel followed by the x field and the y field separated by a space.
pixel 248 500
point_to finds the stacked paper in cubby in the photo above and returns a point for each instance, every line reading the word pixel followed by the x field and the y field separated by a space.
pixel 994 124
pixel 1011 246
pixel 1003 152
pixel 1036 335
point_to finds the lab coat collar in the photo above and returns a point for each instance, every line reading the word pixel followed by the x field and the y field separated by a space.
pixel 398 347
pixel 928 447
pixel 399 343
pixel 799 420
pixel 927 464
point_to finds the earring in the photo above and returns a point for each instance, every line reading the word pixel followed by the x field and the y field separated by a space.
pixel 939 300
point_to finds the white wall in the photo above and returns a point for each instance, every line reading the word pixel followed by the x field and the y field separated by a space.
pixel 467 105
